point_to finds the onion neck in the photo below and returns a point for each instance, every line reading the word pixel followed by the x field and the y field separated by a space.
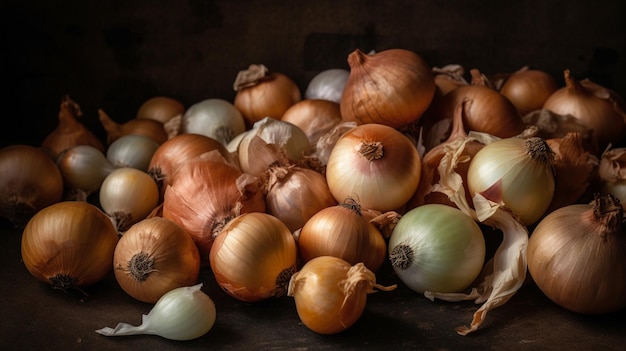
pixel 572 84
pixel 356 58
pixel 607 213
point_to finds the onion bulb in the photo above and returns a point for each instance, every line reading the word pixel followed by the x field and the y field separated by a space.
pixel 132 150
pixel 142 126
pixel 437 247
pixel 375 164
pixel 596 107
pixel 577 256
pixel 160 108
pixel 517 172
pixel 528 89
pixel 262 93
pixel 342 231
pixel 254 257
pixel 69 245
pixel 30 181
pixel 128 195
pixel 331 294
pixel 217 119
pixel 392 87
pixel 84 168
pixel 153 257
pixel 315 117
pixel 183 313
pixel 327 85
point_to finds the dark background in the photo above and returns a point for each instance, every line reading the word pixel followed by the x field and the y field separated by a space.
pixel 116 54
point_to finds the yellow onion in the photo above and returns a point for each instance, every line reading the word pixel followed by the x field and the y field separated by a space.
pixel 254 257
pixel 153 257
pixel 294 194
pixel 331 294
pixel 69 245
pixel 69 132
pixel 262 93
pixel 30 181
pixel 577 256
pixel 315 117
pixel 206 195
pixel 375 164
pixel 528 89
pixel 342 231
pixel 141 126
pixel 516 172
pixel 596 107
pixel 393 87
pixel 160 108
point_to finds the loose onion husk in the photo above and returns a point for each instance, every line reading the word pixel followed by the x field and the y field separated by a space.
pixel 30 181
pixel 69 245
pixel 375 164
pixel 254 257
pixel 331 294
pixel 577 256
pixel 154 256
pixel 393 87
pixel 263 93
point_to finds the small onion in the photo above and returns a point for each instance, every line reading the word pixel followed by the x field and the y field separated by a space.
pixel 160 108
pixel 128 195
pixel 577 256
pixel 84 168
pixel 315 117
pixel 30 181
pixel 254 257
pixel 393 87
pixel 528 89
pixel 153 257
pixel 69 244
pixel 217 119
pixel 375 164
pixel 342 231
pixel 331 294
pixel 517 172
pixel 142 126
pixel 437 248
pixel 327 85
pixel 132 151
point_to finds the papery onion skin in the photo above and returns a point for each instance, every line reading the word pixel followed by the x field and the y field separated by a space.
pixel 128 195
pixel 342 231
pixel 375 164
pixel 154 256
pixel 69 244
pixel 295 194
pixel 438 248
pixel 393 87
pixel 517 172
pixel 30 181
pixel 217 119
pixel 577 256
pixel 160 108
pixel 331 294
pixel 254 257
pixel 327 85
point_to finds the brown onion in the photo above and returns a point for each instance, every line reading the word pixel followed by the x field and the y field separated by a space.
pixel 577 256
pixel 262 93
pixel 160 108
pixel 392 87
pixel 528 89
pixel 314 117
pixel 30 181
pixel 140 126
pixel 596 107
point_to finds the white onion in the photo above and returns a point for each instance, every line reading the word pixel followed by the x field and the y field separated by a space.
pixel 132 150
pixel 215 118
pixel 327 85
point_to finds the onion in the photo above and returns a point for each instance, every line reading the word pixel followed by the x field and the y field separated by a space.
pixel 84 168
pixel 183 313
pixel 217 119
pixel 254 257
pixel 516 172
pixel 612 173
pixel 577 256
pixel 375 164
pixel 69 245
pixel 30 181
pixel 448 78
pixel 528 89
pixel 315 117
pixel 392 87
pixel 327 85
pixel 262 93
pixel 69 132
pixel 596 107
pixel 128 195
pixel 133 151
pixel 331 294
pixel 437 248
pixel 160 108
pixel 153 257
pixel 141 126
pixel 342 231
